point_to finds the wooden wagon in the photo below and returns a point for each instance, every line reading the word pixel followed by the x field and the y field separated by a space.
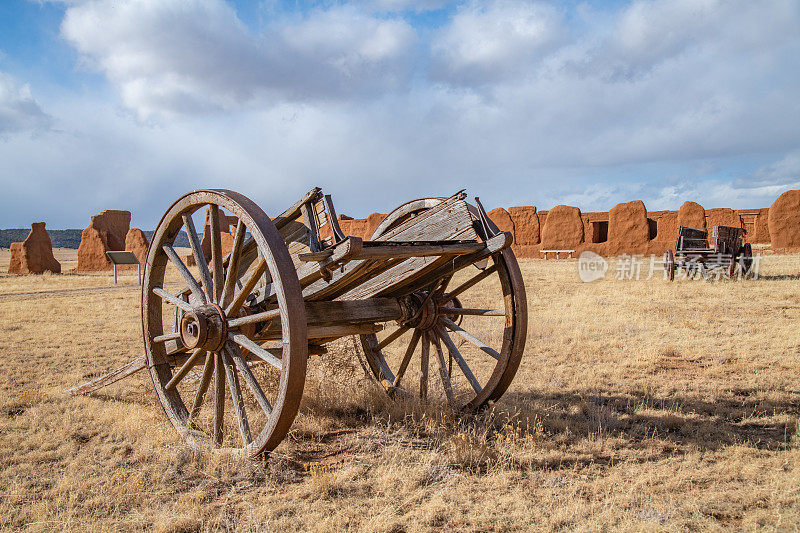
pixel 436 280
pixel 695 255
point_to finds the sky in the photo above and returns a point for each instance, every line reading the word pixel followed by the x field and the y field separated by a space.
pixel 128 104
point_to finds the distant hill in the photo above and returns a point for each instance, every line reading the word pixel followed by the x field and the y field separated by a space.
pixel 65 238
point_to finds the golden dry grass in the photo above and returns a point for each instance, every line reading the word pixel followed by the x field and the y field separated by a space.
pixel 639 405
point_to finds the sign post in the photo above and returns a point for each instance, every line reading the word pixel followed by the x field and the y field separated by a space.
pixel 124 257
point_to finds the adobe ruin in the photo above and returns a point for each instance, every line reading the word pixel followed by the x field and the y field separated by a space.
pixel 628 228
pixel 106 232
pixel 35 254
pixel 784 221
pixel 136 242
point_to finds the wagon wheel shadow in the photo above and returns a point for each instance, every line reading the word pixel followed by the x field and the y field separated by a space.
pixel 685 421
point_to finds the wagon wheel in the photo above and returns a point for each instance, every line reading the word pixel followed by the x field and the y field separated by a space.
pixel 669 264
pixel 746 259
pixel 217 325
pixel 732 266
pixel 483 370
pixel 405 212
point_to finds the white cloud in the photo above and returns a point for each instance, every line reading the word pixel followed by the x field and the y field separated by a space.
pixel 649 34
pixel 417 6
pixel 19 111
pixel 522 103
pixel 659 81
pixel 783 173
pixel 718 193
pixel 171 57
pixel 487 42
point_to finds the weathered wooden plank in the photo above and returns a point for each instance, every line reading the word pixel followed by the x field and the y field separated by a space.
pixel 406 250
pixel 454 210
pixel 293 212
pixel 451 222
pixel 140 363
pixel 493 245
pixel 316 256
pixel 311 222
pixel 321 332
pixel 338 312
pixel 403 274
pixel 349 277
pixel 312 272
pixel 338 235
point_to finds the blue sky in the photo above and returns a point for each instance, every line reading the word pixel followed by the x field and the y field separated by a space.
pixel 127 104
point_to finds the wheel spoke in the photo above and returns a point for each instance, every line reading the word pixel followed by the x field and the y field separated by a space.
pixel 391 338
pixel 423 379
pixel 216 253
pixel 233 264
pixel 205 381
pixel 197 251
pixel 171 298
pixel 470 283
pixel 407 357
pixel 248 376
pixel 255 349
pixel 443 283
pixel 219 397
pixel 387 377
pixel 455 354
pixel 475 312
pixel 471 338
pixel 184 272
pixel 448 387
pixel 236 399
pixel 167 337
pixel 183 370
pixel 242 295
pixel 252 319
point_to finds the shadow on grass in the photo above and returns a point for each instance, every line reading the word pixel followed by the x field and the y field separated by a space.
pixel 561 430
pixel 740 419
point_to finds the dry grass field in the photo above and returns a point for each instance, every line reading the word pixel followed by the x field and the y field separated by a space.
pixel 639 405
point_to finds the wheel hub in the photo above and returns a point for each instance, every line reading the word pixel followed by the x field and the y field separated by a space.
pixel 204 327
pixel 423 311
